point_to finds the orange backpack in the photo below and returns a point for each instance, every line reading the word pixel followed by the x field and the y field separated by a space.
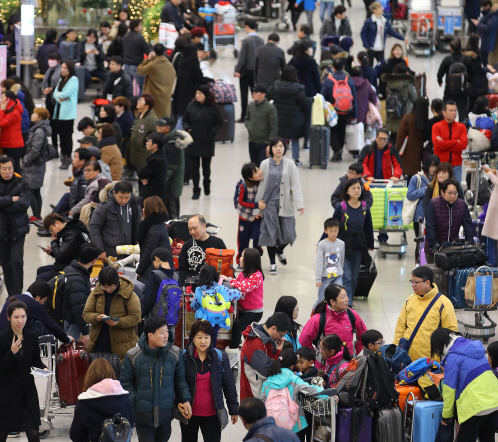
pixel 221 259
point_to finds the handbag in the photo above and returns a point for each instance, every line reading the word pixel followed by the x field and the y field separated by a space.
pixel 460 256
pixel 409 207
pixel 116 429
pixel 224 93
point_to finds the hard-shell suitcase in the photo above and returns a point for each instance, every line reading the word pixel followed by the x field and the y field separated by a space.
pixel 355 138
pixel 441 279
pixel 319 146
pixel 227 131
pixel 346 423
pixel 72 365
pixel 388 425
pixel 404 391
pixel 111 358
pixel 365 281
pixel 426 419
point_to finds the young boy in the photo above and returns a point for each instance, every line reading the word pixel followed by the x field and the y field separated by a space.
pixel 329 258
pixel 355 170
pixel 247 208
pixel 306 364
pixel 372 340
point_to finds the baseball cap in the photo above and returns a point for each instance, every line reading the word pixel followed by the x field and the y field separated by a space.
pixel 259 88
pixel 94 152
pixel 166 121
pixel 89 139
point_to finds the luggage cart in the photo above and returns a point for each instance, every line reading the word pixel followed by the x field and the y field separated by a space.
pixel 324 414
pixel 265 11
pixel 225 29
pixel 450 23
pixel 422 16
pixel 472 163
pixel 478 330
pixel 400 17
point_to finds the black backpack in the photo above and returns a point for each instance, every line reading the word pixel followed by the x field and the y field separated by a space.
pixel 380 390
pixel 47 151
pixel 457 79
pixel 395 107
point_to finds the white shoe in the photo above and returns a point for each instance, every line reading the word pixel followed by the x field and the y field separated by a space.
pixel 273 269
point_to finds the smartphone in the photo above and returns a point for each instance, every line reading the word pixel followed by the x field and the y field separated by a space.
pixel 106 318
pixel 43 248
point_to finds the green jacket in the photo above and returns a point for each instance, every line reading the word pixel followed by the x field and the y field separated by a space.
pixel 177 141
pixel 261 121
pixel 142 128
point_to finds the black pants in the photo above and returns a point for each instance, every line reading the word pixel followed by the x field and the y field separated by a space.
pixel 338 133
pixel 244 319
pixel 306 433
pixel 32 435
pixel 206 171
pixel 147 433
pixel 46 273
pixel 65 128
pixel 248 230
pixel 246 82
pixel 272 251
pixel 416 228
pixel 95 73
pixel 49 104
pixel 462 103
pixel 210 428
pixel 36 202
pixel 484 57
pixel 367 7
pixel 257 152
pixel 478 426
pixel 16 153
pixel 378 55
pixel 173 207
pixel 12 259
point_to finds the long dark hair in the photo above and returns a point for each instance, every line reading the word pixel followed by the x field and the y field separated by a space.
pixel 14 305
pixel 431 160
pixel 252 262
pixel 345 196
pixel 287 304
pixel 335 343
pixel 421 112
pixel 11 96
pixel 331 293
pixel 287 359
pixel 363 59
pixel 440 338
pixel 473 44
pixel 303 46
pixel 492 351
pixel 72 71
pixel 189 55
pixel 443 167
pixel 208 276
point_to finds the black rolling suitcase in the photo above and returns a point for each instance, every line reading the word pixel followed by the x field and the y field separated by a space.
pixel 319 146
pixel 441 279
pixel 366 278
pixel 109 357
pixel 227 131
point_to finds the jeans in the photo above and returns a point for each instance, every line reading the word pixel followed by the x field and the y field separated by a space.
pixel 257 152
pixel 457 171
pixel 244 319
pixel 209 425
pixel 295 149
pixel 147 433
pixel 248 230
pixel 12 259
pixel 246 82
pixel 351 269
pixel 309 15
pixel 478 426
pixel 326 9
pixel 95 73
pixel 63 204
pixel 72 330
pixel 140 79
pixel 179 123
pixel 325 283
pixel 45 273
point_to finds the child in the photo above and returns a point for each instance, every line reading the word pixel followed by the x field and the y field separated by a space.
pixel 492 354
pixel 280 376
pixel 372 340
pixel 305 364
pixel 330 255
pixel 212 300
pixel 244 201
pixel 336 356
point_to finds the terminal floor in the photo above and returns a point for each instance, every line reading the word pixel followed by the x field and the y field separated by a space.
pixel 380 310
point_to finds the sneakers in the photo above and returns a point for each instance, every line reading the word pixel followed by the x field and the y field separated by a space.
pixel 298 163
pixel 281 258
pixel 273 269
pixel 14 434
pixel 306 147
pixel 33 219
pixel 38 223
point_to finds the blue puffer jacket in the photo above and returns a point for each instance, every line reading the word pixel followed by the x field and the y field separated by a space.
pixel 155 379
pixel 487 28
pixel 295 342
pixel 221 381
pixel 267 427
pixel 369 32
pixel 414 193
pixel 25 115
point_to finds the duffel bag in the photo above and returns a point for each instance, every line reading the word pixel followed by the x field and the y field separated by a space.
pixel 460 256
pixel 223 92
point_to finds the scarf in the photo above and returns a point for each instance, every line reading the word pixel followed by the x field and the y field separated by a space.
pixel 435 190
pixel 107 141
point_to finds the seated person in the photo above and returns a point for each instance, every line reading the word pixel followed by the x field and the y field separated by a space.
pixel 97 156
pixel 87 126
pixel 92 56
pixel 68 47
pixel 118 82
pixel 355 170
pixel 372 340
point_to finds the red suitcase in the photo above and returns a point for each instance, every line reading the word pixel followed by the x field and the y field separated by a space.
pixel 72 364
pixel 493 101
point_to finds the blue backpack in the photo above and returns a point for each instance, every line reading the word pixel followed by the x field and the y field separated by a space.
pixel 167 304
pixel 417 369
pixel 395 357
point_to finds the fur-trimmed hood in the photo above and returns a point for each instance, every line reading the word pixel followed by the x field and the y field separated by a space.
pixel 470 54
pixel 104 193
pixel 398 78
pixel 184 140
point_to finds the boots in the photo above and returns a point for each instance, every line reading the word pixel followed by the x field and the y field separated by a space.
pixel 197 193
pixel 65 162
pixel 207 187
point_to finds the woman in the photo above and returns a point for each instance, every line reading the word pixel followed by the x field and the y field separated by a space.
pixel 10 85
pixel 489 228
pixel 92 57
pixel 102 398
pixel 107 114
pixel 50 81
pixel 469 384
pixel 209 378
pixel 152 233
pixel 109 150
pixel 124 117
pixel 116 47
pixel 338 321
pixel 443 172
pixel 289 97
pixel 307 69
pixel 46 49
pixel 33 170
pixel 364 94
pixel 289 306
pixel 479 84
pixel 396 57
pixel 412 126
pixel 202 120
pixel 278 225
pixel 66 101
pixel 367 71
pixel 19 351
pixel 11 139
pixel 356 231
pixel 112 297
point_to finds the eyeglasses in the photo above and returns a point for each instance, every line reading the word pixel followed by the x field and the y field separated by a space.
pixel 296 309
pixel 451 193
pixel 380 343
pixel 412 282
pixel 109 288
pixel 382 139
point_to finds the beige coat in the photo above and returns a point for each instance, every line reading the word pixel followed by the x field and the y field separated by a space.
pixel 160 78
pixel 490 228
pixel 111 155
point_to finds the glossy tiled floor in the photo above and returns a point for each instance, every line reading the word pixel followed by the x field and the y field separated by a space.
pixel 379 311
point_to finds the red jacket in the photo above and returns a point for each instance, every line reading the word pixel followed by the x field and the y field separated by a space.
pixel 10 125
pixel 391 161
pixel 450 149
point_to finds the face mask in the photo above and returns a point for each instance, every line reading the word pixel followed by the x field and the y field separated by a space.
pixel 52 63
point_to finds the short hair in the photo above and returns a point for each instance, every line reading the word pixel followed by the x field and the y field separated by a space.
pixel 274 141
pixel 456 45
pixel 375 5
pixel 122 101
pixel 108 276
pixel 159 49
pixel 51 219
pixel 14 305
pixel 448 103
pixel 5 160
pixel 201 326
pixel 356 167
pixel 54 56
pixel 331 222
pixel 382 130
pixel 200 218
pixel 370 336
pixel 50 36
pixel 123 187
pixel 279 320
pixel 95 165
pixel 252 409
pixel 135 23
pixel 437 104
pixel 8 83
pixel 274 37
pixel 449 182
pixel 251 23
pixel 339 9
pixel 305 29
pixel 92 31
pixel 107 130
pixel 151 325
pixel 87 253
pixel 149 100
pixel 118 60
pixel 486 3
pixel 104 24
pixel 355 72
pixel 83 154
pixel 162 253
pixel 248 170
pixel 338 64
pixel 306 353
pixel 42 112
pixel 157 138
pixel 40 288
pixel 153 204
pixel 84 123
pixel 425 273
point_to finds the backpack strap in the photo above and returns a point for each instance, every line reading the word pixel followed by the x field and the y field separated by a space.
pixel 422 318
pixel 321 329
pixel 175 351
pixel 160 274
pixel 133 354
pixel 352 320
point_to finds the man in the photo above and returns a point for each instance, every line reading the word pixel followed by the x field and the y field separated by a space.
pixel 193 252
pixel 487 27
pixel 143 126
pixel 152 179
pixel 160 77
pixel 97 156
pixel 303 33
pixel 39 321
pixel 267 341
pixel 346 108
pixel 450 139
pixel 87 127
pixel 87 141
pixel 374 32
pixel 171 14
pixel 135 49
pixel 270 61
pixel 355 171
pixel 252 412
pixel 381 160
pixel 261 124
pixel 124 118
pixel 246 63
pixel 15 199
pixel 118 82
pixel 115 222
pixel 459 71
pixel 337 24
pixel 76 290
pixel 440 314
pixel 154 357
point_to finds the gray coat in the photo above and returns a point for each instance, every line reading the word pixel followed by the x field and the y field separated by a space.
pixel 247 55
pixel 33 172
pixel 270 61
pixel 328 28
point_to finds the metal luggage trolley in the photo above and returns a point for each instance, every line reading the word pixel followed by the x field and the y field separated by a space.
pixel 324 413
pixel 265 11
pixel 421 18
pixel 472 163
pixel 225 29
pixel 450 23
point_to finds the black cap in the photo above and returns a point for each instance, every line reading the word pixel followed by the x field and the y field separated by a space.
pixel 95 152
pixel 259 88
pixel 166 121
pixel 89 139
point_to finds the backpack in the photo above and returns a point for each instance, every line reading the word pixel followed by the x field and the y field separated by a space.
pixel 214 309
pixel 282 408
pixel 457 79
pixel 167 304
pixel 116 429
pixel 417 369
pixel 54 303
pixel 396 358
pixel 351 381
pixel 222 260
pixel 343 97
pixel 395 107
pixel 345 215
pixel 380 389
pixel 47 151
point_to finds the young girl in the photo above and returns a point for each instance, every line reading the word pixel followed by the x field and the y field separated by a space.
pixel 336 356
pixel 288 305
pixel 209 287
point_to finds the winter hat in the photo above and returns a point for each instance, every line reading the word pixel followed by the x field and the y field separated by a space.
pixel 203 89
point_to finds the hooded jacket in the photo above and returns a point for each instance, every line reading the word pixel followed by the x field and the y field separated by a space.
pixel 14 221
pixel 364 94
pixel 267 427
pixel 336 197
pixel 33 171
pixel 468 380
pixel 101 401
pixel 155 379
pixel 67 245
pixel 10 125
pixel 328 28
pixel 391 161
pixel 307 72
pixel 261 121
pixel 454 141
pixel 91 190
pixel 487 28
pixel 142 128
pixel 111 155
pixel 77 189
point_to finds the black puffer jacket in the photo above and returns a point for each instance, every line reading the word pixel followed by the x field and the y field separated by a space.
pixel 202 122
pixel 118 84
pixel 292 105
pixel 33 171
pixel 77 189
pixel 14 221
pixel 67 245
pixel 155 174
pixel 479 84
